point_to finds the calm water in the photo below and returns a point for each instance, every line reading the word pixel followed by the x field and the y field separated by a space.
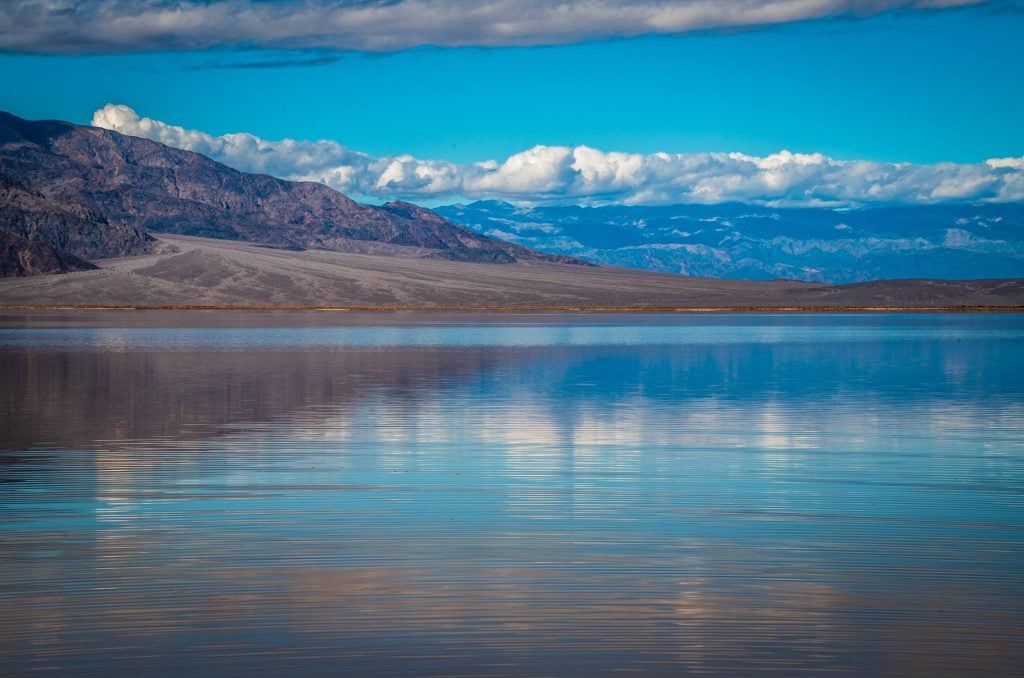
pixel 192 494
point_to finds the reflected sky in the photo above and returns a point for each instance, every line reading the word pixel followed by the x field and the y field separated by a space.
pixel 539 496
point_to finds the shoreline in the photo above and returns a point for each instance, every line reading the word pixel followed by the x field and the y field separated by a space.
pixel 527 309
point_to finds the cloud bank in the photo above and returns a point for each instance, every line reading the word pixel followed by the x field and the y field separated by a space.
pixel 112 26
pixel 584 175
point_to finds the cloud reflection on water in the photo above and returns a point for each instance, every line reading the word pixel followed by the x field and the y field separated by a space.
pixel 843 505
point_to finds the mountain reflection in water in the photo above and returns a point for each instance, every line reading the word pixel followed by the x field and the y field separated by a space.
pixel 512 495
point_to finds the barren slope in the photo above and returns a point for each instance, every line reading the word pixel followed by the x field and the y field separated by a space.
pixel 205 272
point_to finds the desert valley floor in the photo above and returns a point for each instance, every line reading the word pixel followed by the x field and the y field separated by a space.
pixel 192 271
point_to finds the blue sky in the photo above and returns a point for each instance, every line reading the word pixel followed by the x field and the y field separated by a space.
pixel 914 86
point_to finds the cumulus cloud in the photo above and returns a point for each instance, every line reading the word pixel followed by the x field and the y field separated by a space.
pixel 587 175
pixel 110 26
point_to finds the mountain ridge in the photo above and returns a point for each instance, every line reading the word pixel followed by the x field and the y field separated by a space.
pixel 63 184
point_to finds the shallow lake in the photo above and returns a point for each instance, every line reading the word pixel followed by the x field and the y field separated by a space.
pixel 314 493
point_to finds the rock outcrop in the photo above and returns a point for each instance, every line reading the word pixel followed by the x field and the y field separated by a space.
pixel 20 256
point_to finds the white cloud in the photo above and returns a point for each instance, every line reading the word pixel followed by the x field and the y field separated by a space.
pixel 1012 163
pixel 587 175
pixel 84 26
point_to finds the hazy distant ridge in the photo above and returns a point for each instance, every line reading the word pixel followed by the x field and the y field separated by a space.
pixel 734 240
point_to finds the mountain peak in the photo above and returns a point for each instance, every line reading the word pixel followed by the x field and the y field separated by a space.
pixel 14 129
pixel 493 205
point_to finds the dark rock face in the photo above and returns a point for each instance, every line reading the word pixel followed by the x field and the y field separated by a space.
pixel 126 185
pixel 20 257
pixel 66 224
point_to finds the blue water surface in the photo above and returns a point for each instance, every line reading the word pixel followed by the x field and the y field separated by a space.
pixel 511 494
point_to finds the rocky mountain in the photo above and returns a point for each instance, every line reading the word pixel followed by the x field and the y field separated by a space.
pixel 759 243
pixel 96 193
pixel 66 224
pixel 20 257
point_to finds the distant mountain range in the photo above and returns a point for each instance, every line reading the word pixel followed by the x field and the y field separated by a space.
pixel 72 193
pixel 761 243
pixel 90 193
